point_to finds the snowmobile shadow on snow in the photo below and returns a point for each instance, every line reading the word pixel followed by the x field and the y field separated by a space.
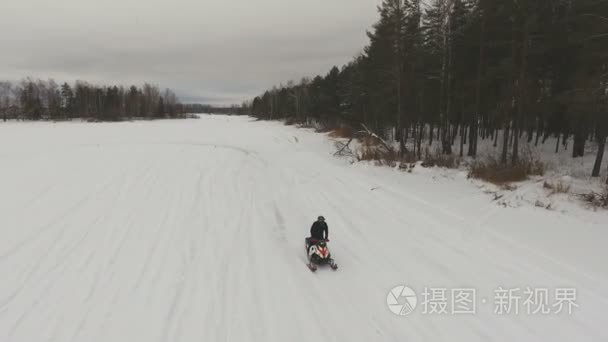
pixel 318 254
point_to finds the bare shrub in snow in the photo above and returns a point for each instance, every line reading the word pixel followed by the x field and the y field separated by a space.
pixel 508 187
pixel 290 121
pixel 370 141
pixel 439 159
pixel 379 155
pixel 307 123
pixel 557 188
pixel 492 170
pixel 598 200
pixel 343 131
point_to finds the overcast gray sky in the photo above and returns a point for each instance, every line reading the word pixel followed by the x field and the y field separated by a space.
pixel 211 51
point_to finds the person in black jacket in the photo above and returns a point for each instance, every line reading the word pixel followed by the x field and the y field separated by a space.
pixel 319 230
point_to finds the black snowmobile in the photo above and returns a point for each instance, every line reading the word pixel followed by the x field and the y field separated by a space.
pixel 318 254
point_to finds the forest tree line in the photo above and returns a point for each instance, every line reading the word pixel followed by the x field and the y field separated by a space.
pixel 46 100
pixel 456 71
pixel 197 108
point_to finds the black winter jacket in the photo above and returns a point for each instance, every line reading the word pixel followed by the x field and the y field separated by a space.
pixel 319 231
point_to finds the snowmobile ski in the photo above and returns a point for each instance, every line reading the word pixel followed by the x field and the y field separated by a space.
pixel 312 267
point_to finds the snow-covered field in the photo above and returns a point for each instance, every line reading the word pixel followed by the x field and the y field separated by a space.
pixel 193 230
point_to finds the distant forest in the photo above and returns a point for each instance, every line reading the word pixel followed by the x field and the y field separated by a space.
pixel 463 70
pixel 210 109
pixel 46 100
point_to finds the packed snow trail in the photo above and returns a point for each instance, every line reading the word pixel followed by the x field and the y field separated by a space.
pixel 193 230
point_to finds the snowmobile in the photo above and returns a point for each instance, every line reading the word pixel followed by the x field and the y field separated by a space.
pixel 318 254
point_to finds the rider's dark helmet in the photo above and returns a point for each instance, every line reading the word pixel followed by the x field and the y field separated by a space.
pixel 321 218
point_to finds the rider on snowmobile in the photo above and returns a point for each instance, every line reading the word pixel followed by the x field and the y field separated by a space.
pixel 319 230
pixel 316 246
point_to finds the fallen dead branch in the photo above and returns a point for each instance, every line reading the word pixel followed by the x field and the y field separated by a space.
pixel 375 136
pixel 344 148
pixel 596 199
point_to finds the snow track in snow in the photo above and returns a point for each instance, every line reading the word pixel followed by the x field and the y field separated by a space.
pixel 193 231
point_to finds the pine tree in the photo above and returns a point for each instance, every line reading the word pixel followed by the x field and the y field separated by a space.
pixel 67 100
